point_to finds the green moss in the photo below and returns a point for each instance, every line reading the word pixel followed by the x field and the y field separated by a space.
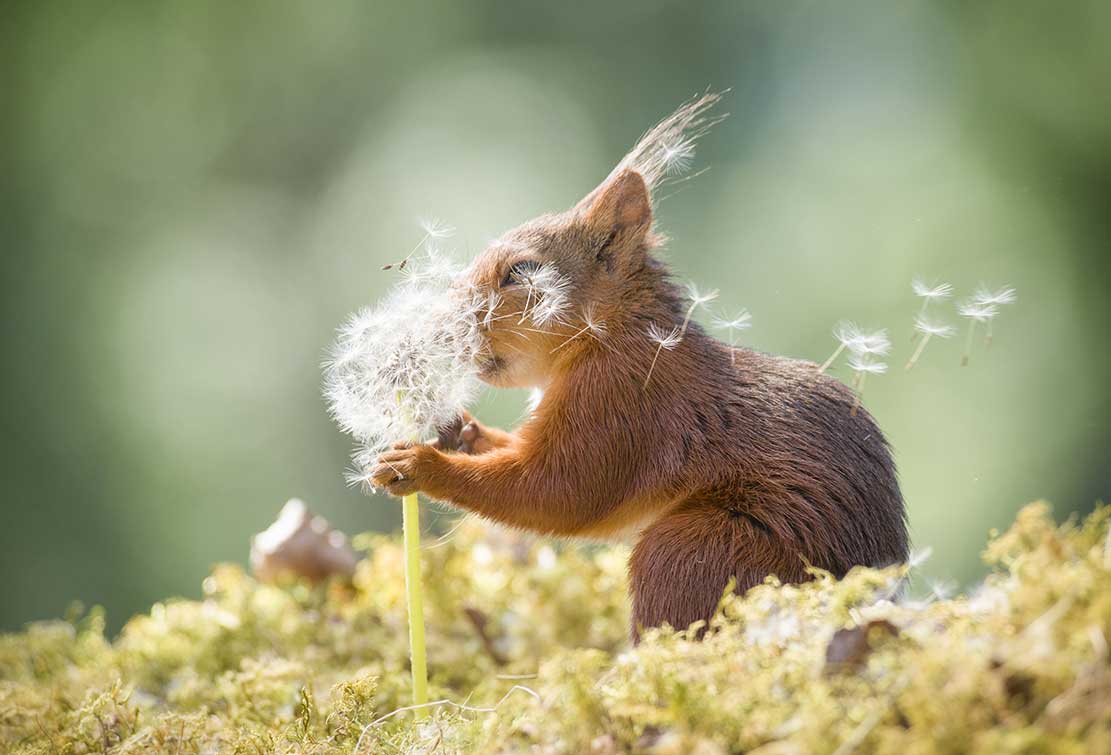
pixel 531 649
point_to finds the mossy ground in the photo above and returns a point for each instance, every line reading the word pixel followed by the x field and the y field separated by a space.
pixel 530 646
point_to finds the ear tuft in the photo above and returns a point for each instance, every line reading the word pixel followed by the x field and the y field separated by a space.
pixel 621 206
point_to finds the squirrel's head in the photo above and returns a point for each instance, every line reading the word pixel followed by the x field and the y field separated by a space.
pixel 559 283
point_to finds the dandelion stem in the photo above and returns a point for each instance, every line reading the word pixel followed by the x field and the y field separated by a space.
pixel 653 365
pixel 987 338
pixel 413 595
pixel 918 351
pixel 859 392
pixel 968 343
pixel 832 357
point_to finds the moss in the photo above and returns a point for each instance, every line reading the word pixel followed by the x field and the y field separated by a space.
pixel 530 646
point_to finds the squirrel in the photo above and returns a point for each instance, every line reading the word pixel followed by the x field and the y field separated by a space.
pixel 727 464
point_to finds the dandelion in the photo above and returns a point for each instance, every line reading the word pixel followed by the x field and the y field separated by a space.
pixel 863 366
pixel 664 340
pixel 851 337
pixel 987 297
pixel 399 371
pixel 433 229
pixel 976 312
pixel 743 321
pixel 927 329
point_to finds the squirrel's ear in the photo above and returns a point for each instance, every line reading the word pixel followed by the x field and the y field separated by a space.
pixel 619 211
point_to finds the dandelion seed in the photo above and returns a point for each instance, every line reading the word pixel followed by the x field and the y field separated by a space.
pixel 664 340
pixel 975 312
pixel 547 295
pixel 851 337
pixel 929 294
pixel 919 557
pixel 743 321
pixel 676 158
pixel 927 329
pixel 433 229
pixel 591 324
pixel 667 150
pixel 698 299
pixel 987 297
pixel 863 366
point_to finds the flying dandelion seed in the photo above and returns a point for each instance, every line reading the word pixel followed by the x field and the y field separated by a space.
pixel 975 312
pixel 987 297
pixel 743 321
pixel 929 294
pixel 664 340
pixel 927 329
pixel 863 366
pixel 433 229
pixel 698 299
pixel 850 336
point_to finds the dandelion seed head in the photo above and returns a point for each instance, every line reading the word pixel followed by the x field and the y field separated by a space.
pixel 978 311
pixel 666 339
pixel 407 366
pixel 932 328
pixel 924 290
pixel 868 366
pixel 986 296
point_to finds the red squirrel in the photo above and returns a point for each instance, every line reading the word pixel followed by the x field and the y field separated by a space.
pixel 726 463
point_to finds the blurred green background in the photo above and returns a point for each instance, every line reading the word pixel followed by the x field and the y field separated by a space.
pixel 195 194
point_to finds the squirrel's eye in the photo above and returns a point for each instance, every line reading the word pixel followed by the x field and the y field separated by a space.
pixel 518 271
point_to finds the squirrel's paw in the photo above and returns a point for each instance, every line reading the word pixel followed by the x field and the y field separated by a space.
pixel 465 435
pixel 404 469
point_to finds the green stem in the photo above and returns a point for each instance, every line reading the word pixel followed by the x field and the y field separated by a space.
pixel 410 513
pixel 414 598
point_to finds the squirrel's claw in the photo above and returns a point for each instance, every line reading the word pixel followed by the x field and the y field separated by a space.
pixel 399 471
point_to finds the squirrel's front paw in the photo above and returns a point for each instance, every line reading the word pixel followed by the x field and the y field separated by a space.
pixel 404 470
pixel 465 435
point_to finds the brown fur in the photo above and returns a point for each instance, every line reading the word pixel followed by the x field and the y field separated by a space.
pixel 725 465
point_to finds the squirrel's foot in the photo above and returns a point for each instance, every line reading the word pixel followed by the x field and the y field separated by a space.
pixel 405 469
pixel 466 435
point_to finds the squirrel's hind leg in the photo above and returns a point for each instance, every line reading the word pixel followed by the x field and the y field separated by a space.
pixel 684 561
